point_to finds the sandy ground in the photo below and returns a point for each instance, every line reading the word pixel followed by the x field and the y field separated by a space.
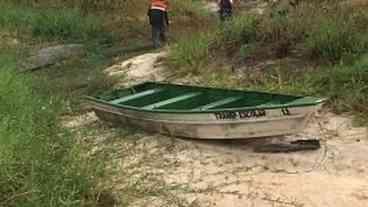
pixel 165 171
pixel 153 170
pixel 138 69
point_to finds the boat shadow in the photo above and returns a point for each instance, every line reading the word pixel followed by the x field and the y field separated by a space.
pixel 248 144
pixel 279 144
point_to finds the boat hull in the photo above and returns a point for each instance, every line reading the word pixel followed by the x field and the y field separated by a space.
pixel 227 125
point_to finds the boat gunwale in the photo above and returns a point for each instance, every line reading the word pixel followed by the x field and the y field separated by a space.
pixel 194 122
pixel 190 111
pixel 204 111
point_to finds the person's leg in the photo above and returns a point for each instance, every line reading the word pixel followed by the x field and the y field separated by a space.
pixel 157 16
pixel 156 35
pixel 227 14
pixel 163 33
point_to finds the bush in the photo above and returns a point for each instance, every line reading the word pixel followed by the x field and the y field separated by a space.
pixel 40 163
pixel 191 8
pixel 336 38
pixel 49 23
pixel 65 24
pixel 240 30
pixel 191 53
pixel 346 87
pixel 195 52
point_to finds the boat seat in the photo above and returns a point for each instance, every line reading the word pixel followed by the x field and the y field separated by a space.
pixel 171 100
pixel 218 103
pixel 136 95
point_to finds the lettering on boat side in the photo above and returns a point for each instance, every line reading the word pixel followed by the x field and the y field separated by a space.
pixel 246 114
pixel 240 114
pixel 285 112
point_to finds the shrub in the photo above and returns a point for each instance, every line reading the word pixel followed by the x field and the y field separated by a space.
pixel 335 39
pixel 65 24
pixel 195 52
pixel 346 87
pixel 240 30
pixel 191 53
pixel 40 163
pixel 338 34
pixel 49 23
pixel 190 8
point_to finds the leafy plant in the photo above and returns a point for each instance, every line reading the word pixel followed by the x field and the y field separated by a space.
pixel 41 163
pixel 64 23
pixel 191 53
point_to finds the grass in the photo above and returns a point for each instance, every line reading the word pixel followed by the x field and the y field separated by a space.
pixel 192 53
pixel 326 34
pixel 339 36
pixel 41 164
pixel 345 86
pixel 49 23
pixel 241 30
pixel 76 78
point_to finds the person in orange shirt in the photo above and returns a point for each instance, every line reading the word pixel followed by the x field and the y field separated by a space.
pixel 158 18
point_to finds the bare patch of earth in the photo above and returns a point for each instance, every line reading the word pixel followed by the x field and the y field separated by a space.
pixel 153 170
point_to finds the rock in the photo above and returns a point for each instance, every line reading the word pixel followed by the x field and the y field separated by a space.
pixel 139 69
pixel 50 56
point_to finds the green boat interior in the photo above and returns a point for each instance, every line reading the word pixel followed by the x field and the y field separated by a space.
pixel 169 97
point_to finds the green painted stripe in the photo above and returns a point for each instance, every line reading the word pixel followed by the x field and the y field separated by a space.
pixel 135 96
pixel 218 103
pixel 171 100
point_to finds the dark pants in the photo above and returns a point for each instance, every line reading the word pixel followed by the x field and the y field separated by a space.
pixel 225 14
pixel 158 36
pixel 158 21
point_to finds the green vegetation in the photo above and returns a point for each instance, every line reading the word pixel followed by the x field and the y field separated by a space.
pixel 41 164
pixel 192 53
pixel 51 23
pixel 325 34
pixel 344 85
pixel 76 78
pixel 339 36
pixel 239 31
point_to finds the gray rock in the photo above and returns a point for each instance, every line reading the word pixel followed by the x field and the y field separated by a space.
pixel 50 56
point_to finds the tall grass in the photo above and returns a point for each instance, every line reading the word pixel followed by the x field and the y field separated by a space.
pixel 345 86
pixel 338 35
pixel 315 30
pixel 40 163
pixel 238 31
pixel 326 31
pixel 190 8
pixel 49 23
pixel 190 54
pixel 193 53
